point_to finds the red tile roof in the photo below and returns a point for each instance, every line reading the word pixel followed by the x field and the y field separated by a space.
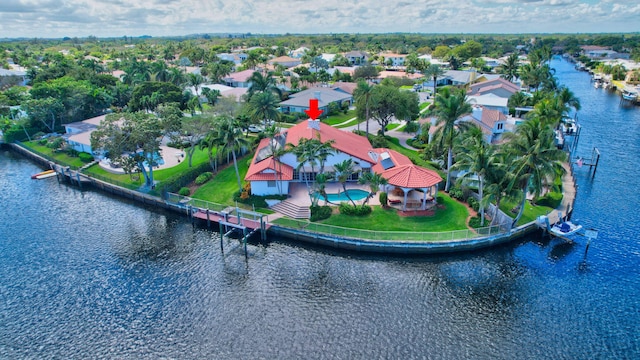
pixel 404 173
pixel 490 117
pixel 256 170
pixel 486 86
pixel 344 141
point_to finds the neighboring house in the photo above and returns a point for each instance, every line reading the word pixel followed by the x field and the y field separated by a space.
pixel 491 62
pixel 78 134
pixel 13 77
pixel 351 70
pixel 299 52
pixel 399 171
pixel 393 59
pixel 299 102
pixel 433 61
pixel 600 52
pixel 225 91
pixel 237 59
pixel 328 57
pixel 400 74
pixel 499 87
pixel 458 77
pixel 493 123
pixel 345 87
pixel 490 101
pixel 357 57
pixel 285 61
pixel 239 79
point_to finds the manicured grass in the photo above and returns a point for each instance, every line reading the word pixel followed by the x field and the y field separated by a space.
pixel 392 126
pixel 452 217
pixel 394 144
pixel 340 118
pixel 59 157
pixel 284 125
pixel 424 105
pixel 530 213
pixel 224 184
pixel 350 123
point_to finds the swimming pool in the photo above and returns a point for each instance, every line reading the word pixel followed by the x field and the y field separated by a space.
pixel 355 194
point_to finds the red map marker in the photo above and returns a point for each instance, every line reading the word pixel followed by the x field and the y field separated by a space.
pixel 313 111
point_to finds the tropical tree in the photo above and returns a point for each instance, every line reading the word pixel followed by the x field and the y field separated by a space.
pixel 536 158
pixel 476 157
pixel 344 171
pixel 362 93
pixel 130 134
pixel 509 70
pixel 194 130
pixel 450 106
pixel 161 71
pixel 195 80
pixel 262 83
pixel 374 181
pixel 434 71
pixel 232 141
pixel 389 102
pixel 263 106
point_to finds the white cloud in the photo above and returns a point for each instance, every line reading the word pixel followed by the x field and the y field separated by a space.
pixel 57 18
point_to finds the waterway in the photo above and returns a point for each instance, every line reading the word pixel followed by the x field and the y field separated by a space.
pixel 85 275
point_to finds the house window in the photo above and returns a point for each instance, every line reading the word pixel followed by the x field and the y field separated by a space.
pixel 296 175
pixel 500 126
pixel 271 183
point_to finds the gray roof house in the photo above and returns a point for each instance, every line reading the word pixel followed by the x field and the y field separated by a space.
pixel 300 101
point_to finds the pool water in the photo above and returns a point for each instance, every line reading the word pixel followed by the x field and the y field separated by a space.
pixel 355 194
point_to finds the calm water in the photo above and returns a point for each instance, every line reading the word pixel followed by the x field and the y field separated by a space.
pixel 84 275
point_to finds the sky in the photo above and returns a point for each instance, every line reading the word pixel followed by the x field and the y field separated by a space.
pixel 116 18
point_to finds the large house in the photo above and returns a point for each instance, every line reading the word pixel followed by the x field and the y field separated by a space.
pixel 78 134
pixel 269 176
pixel 498 86
pixel 357 57
pixel 299 102
pixel 492 123
pixel 239 79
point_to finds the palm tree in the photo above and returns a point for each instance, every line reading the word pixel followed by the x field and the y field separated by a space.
pixel 434 71
pixel 232 140
pixel 195 80
pixel 263 83
pixel 263 107
pixel 509 70
pixel 477 157
pixel 450 106
pixel 374 180
pixel 362 94
pixel 568 98
pixel 536 159
pixel 345 169
pixel 161 71
pixel 176 76
pixel 277 151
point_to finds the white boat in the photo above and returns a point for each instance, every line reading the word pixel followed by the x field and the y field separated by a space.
pixel 46 176
pixel 629 94
pixel 563 229
pixel 596 84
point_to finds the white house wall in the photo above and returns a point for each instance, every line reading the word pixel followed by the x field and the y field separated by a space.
pixel 262 188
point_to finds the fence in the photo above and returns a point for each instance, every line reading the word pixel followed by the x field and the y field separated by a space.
pixel 211 206
pixel 388 235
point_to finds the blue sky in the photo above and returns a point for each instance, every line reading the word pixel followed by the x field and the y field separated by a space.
pixel 102 18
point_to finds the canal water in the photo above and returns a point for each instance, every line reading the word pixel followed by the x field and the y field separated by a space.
pixel 85 275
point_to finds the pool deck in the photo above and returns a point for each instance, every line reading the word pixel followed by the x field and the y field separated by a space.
pixel 299 195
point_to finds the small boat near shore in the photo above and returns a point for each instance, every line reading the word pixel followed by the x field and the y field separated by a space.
pixel 562 229
pixel 44 174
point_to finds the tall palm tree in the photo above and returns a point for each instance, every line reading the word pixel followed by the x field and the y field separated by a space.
pixel 263 83
pixel 374 180
pixel 345 169
pixel 477 157
pixel 195 80
pixel 161 71
pixel 362 93
pixel 176 76
pixel 232 140
pixel 263 107
pixel 536 158
pixel 509 70
pixel 450 106
pixel 277 150
pixel 434 71
pixel 568 98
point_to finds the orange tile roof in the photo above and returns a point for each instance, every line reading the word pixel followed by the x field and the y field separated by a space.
pixel 344 141
pixel 411 176
pixel 256 170
pixel 490 117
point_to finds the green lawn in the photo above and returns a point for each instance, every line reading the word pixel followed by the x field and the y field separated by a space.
pixel 394 144
pixel 58 157
pixel 340 118
pixel 392 126
pixel 452 217
pixel 530 213
pixel 223 185
pixel 350 123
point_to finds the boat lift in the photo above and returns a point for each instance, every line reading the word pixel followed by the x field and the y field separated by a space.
pixel 591 162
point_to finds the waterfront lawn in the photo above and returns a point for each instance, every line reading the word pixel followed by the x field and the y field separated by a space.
pixel 223 185
pixel 452 217
pixel 394 144
pixel 59 157
pixel 531 212
pixel 340 118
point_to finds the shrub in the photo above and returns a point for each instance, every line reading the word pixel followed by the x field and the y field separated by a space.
pixel 474 222
pixel 358 210
pixel 43 142
pixel 320 212
pixel 85 157
pixel 552 200
pixel 203 178
pixel 72 152
pixel 184 191
pixel 456 193
pixel 383 197
pixel 475 205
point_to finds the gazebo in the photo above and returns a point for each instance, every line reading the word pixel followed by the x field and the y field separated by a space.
pixel 412 177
